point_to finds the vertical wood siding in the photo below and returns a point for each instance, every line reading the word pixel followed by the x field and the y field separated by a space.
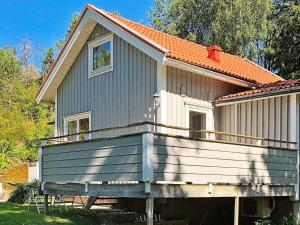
pixel 115 98
pixel 268 118
pixel 186 87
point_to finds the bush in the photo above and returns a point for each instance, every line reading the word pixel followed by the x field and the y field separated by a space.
pixel 21 193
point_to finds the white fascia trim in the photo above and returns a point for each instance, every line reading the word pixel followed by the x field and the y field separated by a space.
pixel 162 91
pixel 62 57
pixel 275 75
pixel 206 72
pixel 250 100
pixel 56 116
pixel 141 45
pixel 90 15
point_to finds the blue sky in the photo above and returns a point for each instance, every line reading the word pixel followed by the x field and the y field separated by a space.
pixel 44 22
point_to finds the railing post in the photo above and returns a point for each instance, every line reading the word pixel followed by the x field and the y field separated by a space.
pixel 147 156
pixel 40 157
pixel 148 139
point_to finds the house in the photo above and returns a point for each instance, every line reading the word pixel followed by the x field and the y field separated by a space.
pixel 145 115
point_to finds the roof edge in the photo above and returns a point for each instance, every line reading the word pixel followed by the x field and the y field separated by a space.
pixel 256 96
pixel 209 73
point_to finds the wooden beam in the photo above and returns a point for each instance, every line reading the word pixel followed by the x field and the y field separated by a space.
pixel 46 204
pixel 149 210
pixel 169 190
pixel 236 210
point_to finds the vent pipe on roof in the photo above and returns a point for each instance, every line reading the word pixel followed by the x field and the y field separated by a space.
pixel 214 53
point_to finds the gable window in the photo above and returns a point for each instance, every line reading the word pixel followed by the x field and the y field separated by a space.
pixel 78 123
pixel 100 56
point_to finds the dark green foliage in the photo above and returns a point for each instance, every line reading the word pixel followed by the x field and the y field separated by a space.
pixel 264 31
pixel 283 47
pixel 21 193
pixel 47 61
pixel 238 26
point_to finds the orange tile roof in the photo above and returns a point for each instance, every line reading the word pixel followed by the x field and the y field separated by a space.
pixel 195 54
pixel 263 89
pixel 182 50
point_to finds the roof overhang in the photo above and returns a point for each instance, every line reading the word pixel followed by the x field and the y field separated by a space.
pixel 85 25
pixel 206 72
pixel 258 96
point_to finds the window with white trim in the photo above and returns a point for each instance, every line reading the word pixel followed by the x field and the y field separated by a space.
pixel 78 123
pixel 199 117
pixel 100 56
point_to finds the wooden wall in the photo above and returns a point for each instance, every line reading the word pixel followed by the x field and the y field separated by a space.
pixel 177 159
pixel 118 159
pixel 268 118
pixel 184 87
pixel 115 98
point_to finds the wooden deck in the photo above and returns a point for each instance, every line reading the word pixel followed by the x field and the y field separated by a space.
pixel 138 164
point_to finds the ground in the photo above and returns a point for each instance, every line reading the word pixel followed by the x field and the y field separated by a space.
pixel 16 214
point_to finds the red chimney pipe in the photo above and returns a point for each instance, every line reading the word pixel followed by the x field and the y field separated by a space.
pixel 214 53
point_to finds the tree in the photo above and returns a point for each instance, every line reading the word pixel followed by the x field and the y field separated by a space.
pixel 240 27
pixel 283 46
pixel 74 19
pixel 22 121
pixel 47 61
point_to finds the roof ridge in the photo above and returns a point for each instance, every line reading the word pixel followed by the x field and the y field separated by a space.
pixel 190 42
pixel 157 31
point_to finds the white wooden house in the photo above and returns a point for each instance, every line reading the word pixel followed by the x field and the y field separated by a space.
pixel 142 114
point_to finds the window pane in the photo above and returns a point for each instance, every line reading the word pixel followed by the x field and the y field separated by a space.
pixel 72 129
pixel 197 122
pixel 101 55
pixel 83 127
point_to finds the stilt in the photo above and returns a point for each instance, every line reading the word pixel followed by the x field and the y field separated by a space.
pixel 236 210
pixel 149 210
pixel 46 206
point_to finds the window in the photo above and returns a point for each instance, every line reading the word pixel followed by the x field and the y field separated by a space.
pixel 197 122
pixel 200 117
pixel 78 123
pixel 100 56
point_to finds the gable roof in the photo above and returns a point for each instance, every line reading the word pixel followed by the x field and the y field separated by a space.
pixel 276 88
pixel 195 54
pixel 170 47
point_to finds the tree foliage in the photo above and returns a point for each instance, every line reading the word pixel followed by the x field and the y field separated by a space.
pixel 238 26
pixel 283 46
pixel 264 31
pixel 22 121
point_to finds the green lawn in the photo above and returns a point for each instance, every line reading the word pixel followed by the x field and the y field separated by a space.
pixel 15 214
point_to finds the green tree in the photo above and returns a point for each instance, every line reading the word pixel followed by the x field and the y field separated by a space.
pixel 47 61
pixel 283 46
pixel 240 27
pixel 22 121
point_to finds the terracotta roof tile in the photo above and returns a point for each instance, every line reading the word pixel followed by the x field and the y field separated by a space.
pixel 196 54
pixel 184 51
pixel 263 89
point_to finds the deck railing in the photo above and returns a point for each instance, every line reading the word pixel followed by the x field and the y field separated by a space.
pixel 147 126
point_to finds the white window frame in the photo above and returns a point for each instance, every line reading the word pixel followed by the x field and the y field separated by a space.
pixel 201 108
pixel 77 117
pixel 91 46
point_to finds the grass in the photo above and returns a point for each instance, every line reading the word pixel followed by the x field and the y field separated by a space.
pixel 16 214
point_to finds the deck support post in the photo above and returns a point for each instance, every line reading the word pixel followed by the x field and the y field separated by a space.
pixel 236 210
pixel 46 204
pixel 149 210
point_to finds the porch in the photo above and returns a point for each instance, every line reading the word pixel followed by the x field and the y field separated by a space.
pixel 148 160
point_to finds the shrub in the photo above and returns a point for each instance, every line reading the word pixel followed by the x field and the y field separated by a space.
pixel 22 191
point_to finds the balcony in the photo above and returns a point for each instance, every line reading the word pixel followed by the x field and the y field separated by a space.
pixel 167 161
